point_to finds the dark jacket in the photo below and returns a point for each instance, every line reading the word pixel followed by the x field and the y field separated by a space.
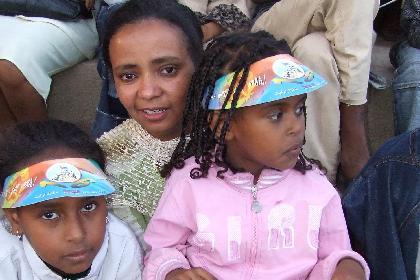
pixel 382 208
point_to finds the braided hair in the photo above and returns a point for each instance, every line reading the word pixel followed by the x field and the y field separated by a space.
pixel 230 53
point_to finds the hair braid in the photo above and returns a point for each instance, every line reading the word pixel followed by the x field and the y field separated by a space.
pixel 230 53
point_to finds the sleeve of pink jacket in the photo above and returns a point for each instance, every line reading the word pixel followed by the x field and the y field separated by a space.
pixel 334 244
pixel 166 234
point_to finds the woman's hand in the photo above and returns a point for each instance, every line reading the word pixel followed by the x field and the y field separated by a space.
pixel 349 269
pixel 189 274
pixel 89 4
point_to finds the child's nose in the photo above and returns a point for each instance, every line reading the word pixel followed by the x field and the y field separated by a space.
pixel 75 230
pixel 296 124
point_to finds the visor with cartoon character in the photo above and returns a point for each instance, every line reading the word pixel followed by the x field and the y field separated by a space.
pixel 69 177
pixel 270 79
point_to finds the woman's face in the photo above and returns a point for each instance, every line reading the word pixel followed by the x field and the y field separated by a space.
pixel 152 70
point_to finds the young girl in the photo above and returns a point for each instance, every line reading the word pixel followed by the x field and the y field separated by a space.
pixel 53 196
pixel 242 201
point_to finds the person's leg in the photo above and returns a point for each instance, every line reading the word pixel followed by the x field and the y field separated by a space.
pixel 6 116
pixel 19 96
pixel 30 53
pixel 322 106
pixel 406 88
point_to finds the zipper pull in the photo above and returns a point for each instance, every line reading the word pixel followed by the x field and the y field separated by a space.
pixel 256 206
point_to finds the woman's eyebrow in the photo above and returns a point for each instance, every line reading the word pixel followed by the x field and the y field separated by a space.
pixel 125 67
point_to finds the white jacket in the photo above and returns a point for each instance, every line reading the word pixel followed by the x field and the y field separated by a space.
pixel 120 257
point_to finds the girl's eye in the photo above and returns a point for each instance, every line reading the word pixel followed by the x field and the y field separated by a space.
pixel 300 110
pixel 127 77
pixel 49 216
pixel 89 207
pixel 169 70
pixel 275 116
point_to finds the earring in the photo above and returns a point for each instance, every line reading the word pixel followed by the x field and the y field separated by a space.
pixel 19 235
pixel 106 220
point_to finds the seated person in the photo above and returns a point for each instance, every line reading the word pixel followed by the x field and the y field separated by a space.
pixel 241 200
pixel 57 224
pixel 33 49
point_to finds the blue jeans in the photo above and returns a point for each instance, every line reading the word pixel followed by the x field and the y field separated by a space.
pixel 110 112
pixel 382 208
pixel 406 87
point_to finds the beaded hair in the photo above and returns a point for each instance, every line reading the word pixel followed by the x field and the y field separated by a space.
pixel 230 53
pixel 25 140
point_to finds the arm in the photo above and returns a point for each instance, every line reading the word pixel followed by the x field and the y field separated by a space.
pixel 354 148
pixel 166 236
pixel 167 233
pixel 410 21
pixel 352 54
pixel 335 256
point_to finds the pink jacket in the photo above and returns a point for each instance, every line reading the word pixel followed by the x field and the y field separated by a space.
pixel 300 232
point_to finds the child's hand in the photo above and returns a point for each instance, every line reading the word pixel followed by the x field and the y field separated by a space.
pixel 189 274
pixel 349 269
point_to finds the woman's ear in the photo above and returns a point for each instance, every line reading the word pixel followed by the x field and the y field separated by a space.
pixel 13 218
pixel 216 121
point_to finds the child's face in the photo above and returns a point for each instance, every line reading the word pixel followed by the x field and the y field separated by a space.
pixel 267 135
pixel 67 233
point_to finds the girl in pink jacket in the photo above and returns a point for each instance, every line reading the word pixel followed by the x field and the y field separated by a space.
pixel 242 201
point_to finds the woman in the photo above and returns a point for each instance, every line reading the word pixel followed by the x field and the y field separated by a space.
pixel 152 48
pixel 215 16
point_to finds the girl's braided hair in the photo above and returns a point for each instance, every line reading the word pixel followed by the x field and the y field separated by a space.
pixel 230 53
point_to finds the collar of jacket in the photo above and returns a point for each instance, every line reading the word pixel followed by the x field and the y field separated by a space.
pixel 244 180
